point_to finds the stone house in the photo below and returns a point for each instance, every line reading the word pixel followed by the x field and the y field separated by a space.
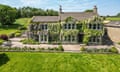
pixel 67 27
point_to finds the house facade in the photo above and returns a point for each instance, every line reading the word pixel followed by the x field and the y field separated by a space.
pixel 67 27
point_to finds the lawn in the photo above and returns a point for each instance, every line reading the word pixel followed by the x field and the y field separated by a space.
pixel 14 27
pixel 59 62
pixel 113 18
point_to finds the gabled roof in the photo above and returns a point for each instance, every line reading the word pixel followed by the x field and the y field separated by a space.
pixel 63 16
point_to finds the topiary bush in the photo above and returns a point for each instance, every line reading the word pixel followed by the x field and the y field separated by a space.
pixel 4 37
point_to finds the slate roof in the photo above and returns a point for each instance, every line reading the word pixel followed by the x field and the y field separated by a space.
pixel 45 19
pixel 63 16
pixel 78 15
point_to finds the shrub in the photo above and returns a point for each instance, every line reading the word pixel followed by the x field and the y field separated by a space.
pixel 22 28
pixel 29 41
pixel 114 50
pixel 11 35
pixel 82 49
pixel 1 41
pixel 60 48
pixel 18 31
pixel 4 37
pixel 119 43
pixel 17 34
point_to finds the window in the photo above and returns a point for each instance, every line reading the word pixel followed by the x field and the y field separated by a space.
pixel 69 38
pixel 44 26
pixel 65 38
pixel 73 26
pixel 65 26
pixel 90 26
pixel 94 26
pixel 73 38
pixel 45 37
pixel 99 26
pixel 41 37
pixel 69 26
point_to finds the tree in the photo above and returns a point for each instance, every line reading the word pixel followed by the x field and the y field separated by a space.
pixel 7 14
pixel 118 15
pixel 30 12
pixel 88 10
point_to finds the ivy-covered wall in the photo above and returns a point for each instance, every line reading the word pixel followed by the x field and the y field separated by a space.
pixel 57 31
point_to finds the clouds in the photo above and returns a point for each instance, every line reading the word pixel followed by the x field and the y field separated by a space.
pixel 77 5
pixel 51 4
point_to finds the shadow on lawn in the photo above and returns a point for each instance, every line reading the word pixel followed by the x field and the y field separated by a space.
pixel 3 59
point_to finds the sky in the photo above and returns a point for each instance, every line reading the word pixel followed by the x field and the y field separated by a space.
pixel 105 7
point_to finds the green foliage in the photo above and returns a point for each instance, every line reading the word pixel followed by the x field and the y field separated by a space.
pixel 72 32
pixel 69 19
pixel 60 47
pixel 17 34
pixel 54 31
pixel 22 28
pixel 119 43
pixel 1 41
pixel 29 41
pixel 30 12
pixel 19 23
pixel 7 14
pixel 82 48
pixel 92 32
pixel 114 50
pixel 113 18
pixel 88 10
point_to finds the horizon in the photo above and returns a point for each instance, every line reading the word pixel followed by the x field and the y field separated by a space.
pixel 105 7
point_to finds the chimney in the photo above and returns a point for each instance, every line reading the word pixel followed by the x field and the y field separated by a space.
pixel 95 9
pixel 60 9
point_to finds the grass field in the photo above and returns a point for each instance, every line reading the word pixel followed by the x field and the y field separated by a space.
pixel 59 62
pixel 113 18
pixel 14 27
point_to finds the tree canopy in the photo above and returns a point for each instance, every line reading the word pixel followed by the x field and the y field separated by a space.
pixel 7 14
pixel 88 10
pixel 29 12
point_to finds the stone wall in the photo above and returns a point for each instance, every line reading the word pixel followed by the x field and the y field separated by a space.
pixel 114 33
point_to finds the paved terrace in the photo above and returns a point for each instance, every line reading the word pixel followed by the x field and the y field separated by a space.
pixel 67 47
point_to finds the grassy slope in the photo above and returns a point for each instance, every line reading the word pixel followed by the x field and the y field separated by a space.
pixel 14 27
pixel 113 18
pixel 61 62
